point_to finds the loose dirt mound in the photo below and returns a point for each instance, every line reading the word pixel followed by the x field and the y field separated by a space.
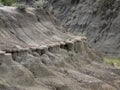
pixel 36 55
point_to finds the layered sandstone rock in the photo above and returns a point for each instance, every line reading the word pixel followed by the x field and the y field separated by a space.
pixel 36 55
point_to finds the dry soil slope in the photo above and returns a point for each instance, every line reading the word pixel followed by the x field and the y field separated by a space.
pixel 36 55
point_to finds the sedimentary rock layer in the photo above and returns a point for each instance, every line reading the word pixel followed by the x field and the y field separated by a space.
pixel 36 55
pixel 99 20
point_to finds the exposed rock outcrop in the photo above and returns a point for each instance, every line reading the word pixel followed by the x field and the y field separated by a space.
pixel 36 55
pixel 99 20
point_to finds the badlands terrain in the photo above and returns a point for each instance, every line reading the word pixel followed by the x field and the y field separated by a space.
pixel 99 20
pixel 37 52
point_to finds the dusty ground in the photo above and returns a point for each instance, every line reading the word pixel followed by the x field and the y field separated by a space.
pixel 36 55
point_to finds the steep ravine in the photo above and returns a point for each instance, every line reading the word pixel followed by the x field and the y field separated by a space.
pixel 36 55
pixel 99 20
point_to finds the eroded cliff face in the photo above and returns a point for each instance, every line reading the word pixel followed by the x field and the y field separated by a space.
pixel 99 20
pixel 36 55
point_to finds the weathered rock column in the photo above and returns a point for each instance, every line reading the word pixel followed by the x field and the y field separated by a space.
pixel 54 48
pixel 5 58
pixel 77 46
pixel 69 45
pixel 20 54
pixel 42 49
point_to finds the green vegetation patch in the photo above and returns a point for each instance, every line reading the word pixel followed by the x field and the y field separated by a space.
pixel 8 2
pixel 112 61
pixel 3 84
pixel 39 4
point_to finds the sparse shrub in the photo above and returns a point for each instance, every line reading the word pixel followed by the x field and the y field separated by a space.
pixel 112 61
pixel 38 4
pixel 1 5
pixel 15 4
pixel 22 7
